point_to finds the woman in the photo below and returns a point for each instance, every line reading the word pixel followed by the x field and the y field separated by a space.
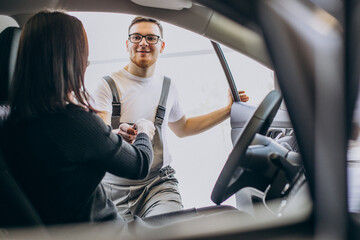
pixel 56 147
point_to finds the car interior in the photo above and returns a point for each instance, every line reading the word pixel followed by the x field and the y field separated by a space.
pixel 295 186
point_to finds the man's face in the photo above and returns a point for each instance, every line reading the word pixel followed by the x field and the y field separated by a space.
pixel 144 54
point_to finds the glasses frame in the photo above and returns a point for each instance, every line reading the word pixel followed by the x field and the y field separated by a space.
pixel 145 36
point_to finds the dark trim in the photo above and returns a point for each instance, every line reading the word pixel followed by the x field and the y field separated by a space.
pixel 225 66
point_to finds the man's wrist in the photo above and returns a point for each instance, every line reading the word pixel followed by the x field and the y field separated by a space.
pixel 228 110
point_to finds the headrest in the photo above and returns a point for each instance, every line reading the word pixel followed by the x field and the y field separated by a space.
pixel 9 43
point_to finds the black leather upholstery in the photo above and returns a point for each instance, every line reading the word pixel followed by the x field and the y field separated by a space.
pixel 4 113
pixel 15 209
pixel 9 42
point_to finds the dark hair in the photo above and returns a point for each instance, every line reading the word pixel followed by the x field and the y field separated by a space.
pixel 140 19
pixel 51 63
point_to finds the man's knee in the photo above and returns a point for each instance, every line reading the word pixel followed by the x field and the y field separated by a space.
pixel 162 199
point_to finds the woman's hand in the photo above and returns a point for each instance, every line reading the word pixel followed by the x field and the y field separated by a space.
pixel 127 131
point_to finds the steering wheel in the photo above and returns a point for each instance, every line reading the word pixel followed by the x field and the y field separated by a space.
pixel 234 174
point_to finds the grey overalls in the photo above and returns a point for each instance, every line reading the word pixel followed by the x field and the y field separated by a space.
pixel 156 194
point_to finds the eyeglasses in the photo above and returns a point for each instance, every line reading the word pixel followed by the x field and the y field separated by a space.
pixel 150 38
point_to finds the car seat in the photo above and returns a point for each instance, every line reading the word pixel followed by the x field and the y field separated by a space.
pixel 9 42
pixel 16 210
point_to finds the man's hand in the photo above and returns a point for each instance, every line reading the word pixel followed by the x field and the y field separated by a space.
pixel 132 130
pixel 128 132
pixel 242 95
pixel 146 126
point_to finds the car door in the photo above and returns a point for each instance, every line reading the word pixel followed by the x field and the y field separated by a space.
pixel 241 112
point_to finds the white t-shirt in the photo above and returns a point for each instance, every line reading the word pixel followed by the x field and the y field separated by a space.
pixel 139 99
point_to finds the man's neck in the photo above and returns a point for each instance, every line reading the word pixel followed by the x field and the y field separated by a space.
pixel 140 72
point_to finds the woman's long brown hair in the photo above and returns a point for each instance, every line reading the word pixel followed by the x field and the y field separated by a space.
pixel 50 67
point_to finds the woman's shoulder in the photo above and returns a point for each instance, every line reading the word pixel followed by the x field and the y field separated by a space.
pixel 78 112
pixel 74 118
pixel 75 108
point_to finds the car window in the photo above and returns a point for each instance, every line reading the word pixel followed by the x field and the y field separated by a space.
pixel 190 61
pixel 6 21
pixel 249 75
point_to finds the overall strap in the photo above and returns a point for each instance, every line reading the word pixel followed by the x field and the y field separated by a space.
pixel 159 118
pixel 116 105
pixel 160 112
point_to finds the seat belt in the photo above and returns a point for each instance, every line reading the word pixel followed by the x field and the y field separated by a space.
pixel 116 104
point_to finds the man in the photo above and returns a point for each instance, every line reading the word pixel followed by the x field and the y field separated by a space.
pixel 146 94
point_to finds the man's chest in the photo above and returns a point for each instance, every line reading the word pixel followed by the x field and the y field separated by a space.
pixel 139 101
